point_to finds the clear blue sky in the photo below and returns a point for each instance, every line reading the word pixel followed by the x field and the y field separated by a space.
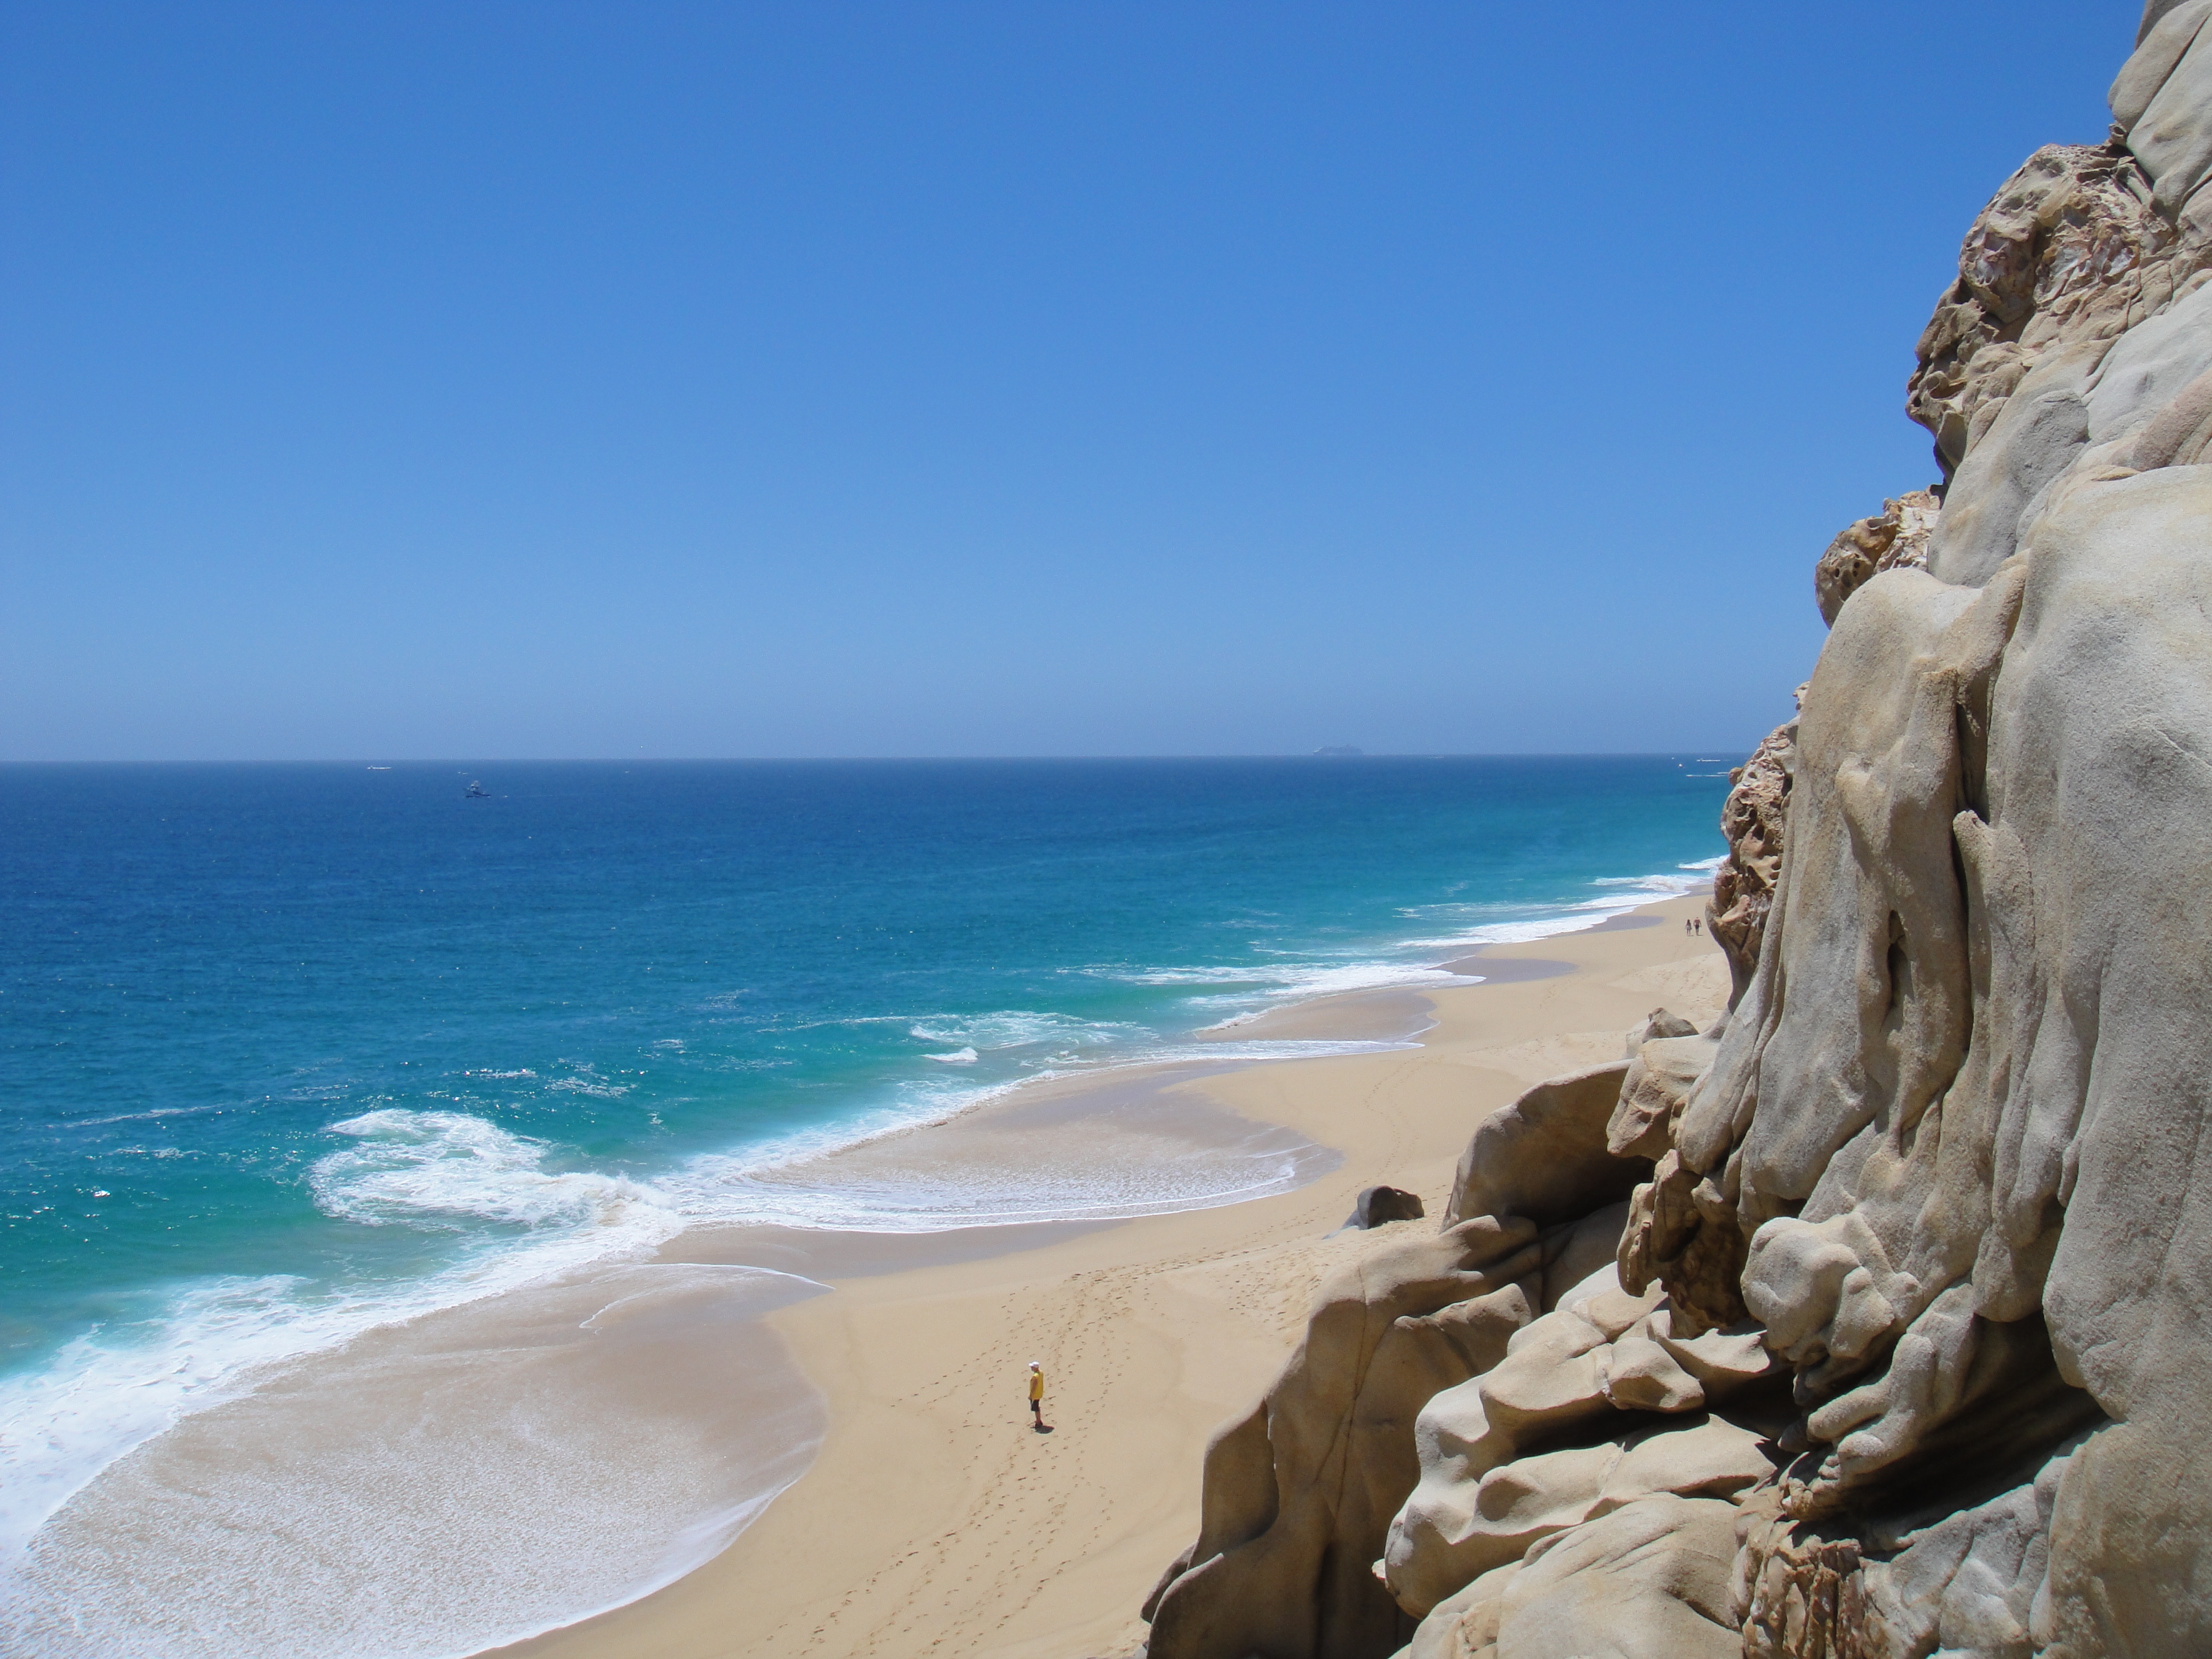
pixel 630 379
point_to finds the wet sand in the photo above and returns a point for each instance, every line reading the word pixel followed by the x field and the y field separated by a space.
pixel 520 1461
pixel 438 1485
pixel 1125 1141
pixel 933 1520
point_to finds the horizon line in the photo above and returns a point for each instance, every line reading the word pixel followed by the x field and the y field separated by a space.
pixel 877 760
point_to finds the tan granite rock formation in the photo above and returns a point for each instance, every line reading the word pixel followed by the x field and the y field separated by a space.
pixel 1650 1580
pixel 1545 1157
pixel 1654 1092
pixel 1751 820
pixel 1570 1425
pixel 1871 1322
pixel 1296 1496
pixel 1896 538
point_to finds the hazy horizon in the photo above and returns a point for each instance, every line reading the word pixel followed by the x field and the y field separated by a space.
pixel 1321 754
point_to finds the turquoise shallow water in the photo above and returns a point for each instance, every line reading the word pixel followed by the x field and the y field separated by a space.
pixel 293 1050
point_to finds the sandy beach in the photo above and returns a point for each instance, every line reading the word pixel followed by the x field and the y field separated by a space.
pixel 934 1520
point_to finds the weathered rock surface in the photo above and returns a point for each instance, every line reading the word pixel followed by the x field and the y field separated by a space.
pixel 1545 1156
pixel 1752 819
pixel 1653 1094
pixel 1659 1023
pixel 1896 538
pixel 1296 1496
pixel 1873 1321
pixel 1650 1580
pixel 1573 1422
pixel 1684 1236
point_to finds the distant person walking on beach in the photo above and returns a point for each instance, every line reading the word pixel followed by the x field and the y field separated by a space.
pixel 1037 1393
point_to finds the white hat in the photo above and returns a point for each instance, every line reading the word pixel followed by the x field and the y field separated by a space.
pixel 1035 1366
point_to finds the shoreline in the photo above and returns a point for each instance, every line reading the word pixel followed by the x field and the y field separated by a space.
pixel 931 1517
pixel 1093 1149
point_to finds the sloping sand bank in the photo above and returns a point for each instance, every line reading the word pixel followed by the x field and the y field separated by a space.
pixel 935 1521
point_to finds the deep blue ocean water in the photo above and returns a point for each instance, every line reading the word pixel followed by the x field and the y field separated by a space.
pixel 289 1048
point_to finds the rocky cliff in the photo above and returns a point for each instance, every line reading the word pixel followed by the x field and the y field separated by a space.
pixel 1874 1321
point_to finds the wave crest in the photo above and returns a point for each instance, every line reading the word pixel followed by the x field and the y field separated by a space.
pixel 1018 1028
pixel 441 1170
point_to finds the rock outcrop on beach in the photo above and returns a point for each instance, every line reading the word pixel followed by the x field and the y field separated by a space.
pixel 1873 1321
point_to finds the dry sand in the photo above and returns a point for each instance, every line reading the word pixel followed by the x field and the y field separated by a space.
pixel 935 1521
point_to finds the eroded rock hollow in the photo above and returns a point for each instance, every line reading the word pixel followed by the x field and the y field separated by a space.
pixel 1874 1321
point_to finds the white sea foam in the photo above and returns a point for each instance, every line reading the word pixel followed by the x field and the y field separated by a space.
pixel 1281 981
pixel 1293 1048
pixel 154 1116
pixel 1018 1028
pixel 958 1057
pixel 1046 1181
pixel 1100 1193
pixel 1363 976
pixel 1234 1020
pixel 585 1080
pixel 123 1383
pixel 1621 894
pixel 450 1168
pixel 345 1524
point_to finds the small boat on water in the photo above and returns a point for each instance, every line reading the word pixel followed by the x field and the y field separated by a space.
pixel 476 791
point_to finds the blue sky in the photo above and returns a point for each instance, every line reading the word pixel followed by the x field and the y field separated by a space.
pixel 817 379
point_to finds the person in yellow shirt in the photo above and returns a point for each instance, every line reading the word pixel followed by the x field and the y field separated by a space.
pixel 1036 1393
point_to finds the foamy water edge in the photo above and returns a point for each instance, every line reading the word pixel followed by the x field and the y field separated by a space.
pixel 106 1393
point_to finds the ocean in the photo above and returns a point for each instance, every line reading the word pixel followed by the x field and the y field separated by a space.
pixel 298 1052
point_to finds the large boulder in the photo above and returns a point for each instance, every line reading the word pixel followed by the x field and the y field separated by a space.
pixel 1653 1093
pixel 1296 1495
pixel 1594 1406
pixel 1545 1156
pixel 1377 1207
pixel 1650 1580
